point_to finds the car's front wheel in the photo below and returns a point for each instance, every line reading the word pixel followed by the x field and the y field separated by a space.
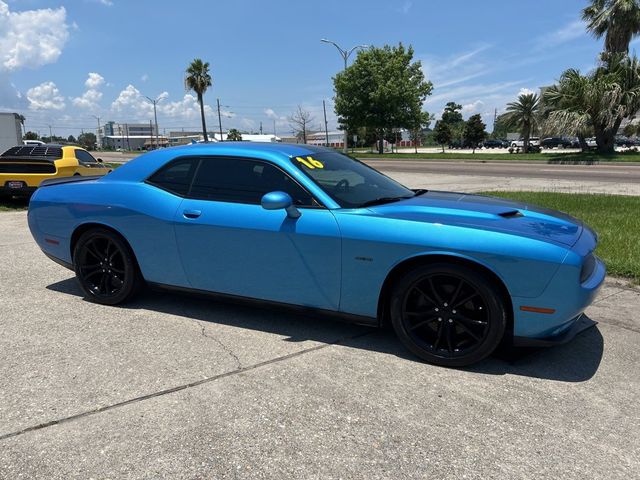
pixel 448 314
pixel 105 267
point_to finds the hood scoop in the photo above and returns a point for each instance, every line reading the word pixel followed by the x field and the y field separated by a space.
pixel 511 214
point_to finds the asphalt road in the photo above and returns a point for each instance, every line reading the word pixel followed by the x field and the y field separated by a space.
pixel 176 387
pixel 598 173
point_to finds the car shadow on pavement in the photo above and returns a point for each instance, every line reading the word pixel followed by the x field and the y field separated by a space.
pixel 576 361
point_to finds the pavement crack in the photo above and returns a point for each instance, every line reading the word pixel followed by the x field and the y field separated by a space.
pixel 222 345
pixel 185 386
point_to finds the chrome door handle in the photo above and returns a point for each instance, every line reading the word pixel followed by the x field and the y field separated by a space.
pixel 191 213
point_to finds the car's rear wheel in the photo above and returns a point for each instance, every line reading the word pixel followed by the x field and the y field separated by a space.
pixel 105 267
pixel 448 314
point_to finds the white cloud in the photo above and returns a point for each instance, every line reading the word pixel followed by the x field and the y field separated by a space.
pixel 106 3
pixel 567 33
pixel 144 78
pixel 45 96
pixel 91 98
pixel 472 108
pixel 525 91
pixel 133 103
pixel 281 120
pixel 94 81
pixel 31 38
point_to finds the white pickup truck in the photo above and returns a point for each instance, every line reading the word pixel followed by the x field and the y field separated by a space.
pixel 533 142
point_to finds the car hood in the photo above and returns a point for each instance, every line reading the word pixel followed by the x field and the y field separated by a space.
pixel 487 213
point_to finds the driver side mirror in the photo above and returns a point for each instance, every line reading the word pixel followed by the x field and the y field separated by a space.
pixel 99 160
pixel 280 200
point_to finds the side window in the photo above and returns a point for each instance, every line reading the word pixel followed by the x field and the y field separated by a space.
pixel 244 181
pixel 84 157
pixel 176 176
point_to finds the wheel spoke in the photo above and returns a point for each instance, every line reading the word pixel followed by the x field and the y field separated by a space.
pixel 117 270
pixel 470 321
pixel 466 299
pixel 423 323
pixel 434 291
pixel 449 342
pixel 468 330
pixel 456 293
pixel 429 299
pixel 91 248
pixel 93 273
pixel 439 337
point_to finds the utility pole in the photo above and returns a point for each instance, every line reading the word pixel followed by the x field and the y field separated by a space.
pixel 50 135
pixel 345 56
pixel 99 140
pixel 326 129
pixel 155 114
pixel 219 119
pixel 260 127
pixel 495 118
pixel 150 133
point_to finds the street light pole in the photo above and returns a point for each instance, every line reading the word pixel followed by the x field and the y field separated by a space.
pixel 345 56
pixel 99 142
pixel 155 115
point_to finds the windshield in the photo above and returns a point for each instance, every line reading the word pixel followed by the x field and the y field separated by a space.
pixel 349 182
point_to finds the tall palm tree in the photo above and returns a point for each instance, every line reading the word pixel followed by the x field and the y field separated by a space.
pixel 523 114
pixel 617 20
pixel 198 79
pixel 598 101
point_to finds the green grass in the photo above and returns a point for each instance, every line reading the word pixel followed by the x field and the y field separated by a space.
pixel 589 157
pixel 614 217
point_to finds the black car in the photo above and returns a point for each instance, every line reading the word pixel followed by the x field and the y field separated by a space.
pixel 494 143
pixel 556 142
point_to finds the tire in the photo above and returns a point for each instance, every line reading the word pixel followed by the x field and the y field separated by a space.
pixel 448 314
pixel 105 267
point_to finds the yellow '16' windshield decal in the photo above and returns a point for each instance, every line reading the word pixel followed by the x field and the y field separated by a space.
pixel 310 162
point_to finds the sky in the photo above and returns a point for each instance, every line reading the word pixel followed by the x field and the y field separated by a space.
pixel 63 63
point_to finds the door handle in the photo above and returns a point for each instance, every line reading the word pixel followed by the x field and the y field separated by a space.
pixel 191 213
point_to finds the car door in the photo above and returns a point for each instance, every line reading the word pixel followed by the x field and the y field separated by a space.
pixel 230 244
pixel 87 164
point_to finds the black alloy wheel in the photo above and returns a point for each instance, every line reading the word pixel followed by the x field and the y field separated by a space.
pixel 448 314
pixel 105 267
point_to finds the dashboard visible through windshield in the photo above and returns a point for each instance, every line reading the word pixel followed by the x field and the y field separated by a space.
pixel 349 182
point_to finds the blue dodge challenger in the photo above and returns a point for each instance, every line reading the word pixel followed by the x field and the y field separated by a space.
pixel 455 274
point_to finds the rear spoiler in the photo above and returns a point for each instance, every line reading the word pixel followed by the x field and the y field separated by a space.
pixel 25 159
pixel 74 179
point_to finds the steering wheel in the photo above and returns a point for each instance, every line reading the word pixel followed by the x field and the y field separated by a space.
pixel 342 185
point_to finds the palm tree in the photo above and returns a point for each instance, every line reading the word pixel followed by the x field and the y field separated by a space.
pixel 234 135
pixel 198 79
pixel 617 20
pixel 523 114
pixel 597 102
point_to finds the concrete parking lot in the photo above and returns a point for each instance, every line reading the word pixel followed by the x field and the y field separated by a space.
pixel 176 386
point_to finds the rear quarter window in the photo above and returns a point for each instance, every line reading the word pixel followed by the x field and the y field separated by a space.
pixel 175 177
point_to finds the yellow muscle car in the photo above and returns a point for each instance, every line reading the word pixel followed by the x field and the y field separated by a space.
pixel 24 167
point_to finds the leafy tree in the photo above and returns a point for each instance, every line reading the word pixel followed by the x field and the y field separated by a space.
pixel 452 113
pixel 234 135
pixel 420 123
pixel 442 134
pixel 600 100
pixel 474 131
pixel 523 114
pixel 199 80
pixel 71 139
pixel 500 127
pixel 391 136
pixel 31 136
pixel 87 140
pixel 383 88
pixel 616 20
pixel 300 122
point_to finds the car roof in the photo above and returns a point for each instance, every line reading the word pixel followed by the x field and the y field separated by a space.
pixel 141 167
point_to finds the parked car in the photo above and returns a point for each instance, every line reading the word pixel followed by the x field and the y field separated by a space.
pixel 24 167
pixel 533 142
pixel 621 141
pixel 494 143
pixel 556 142
pixel 33 142
pixel 455 274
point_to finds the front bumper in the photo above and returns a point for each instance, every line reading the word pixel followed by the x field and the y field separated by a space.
pixel 567 297
pixel 580 324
